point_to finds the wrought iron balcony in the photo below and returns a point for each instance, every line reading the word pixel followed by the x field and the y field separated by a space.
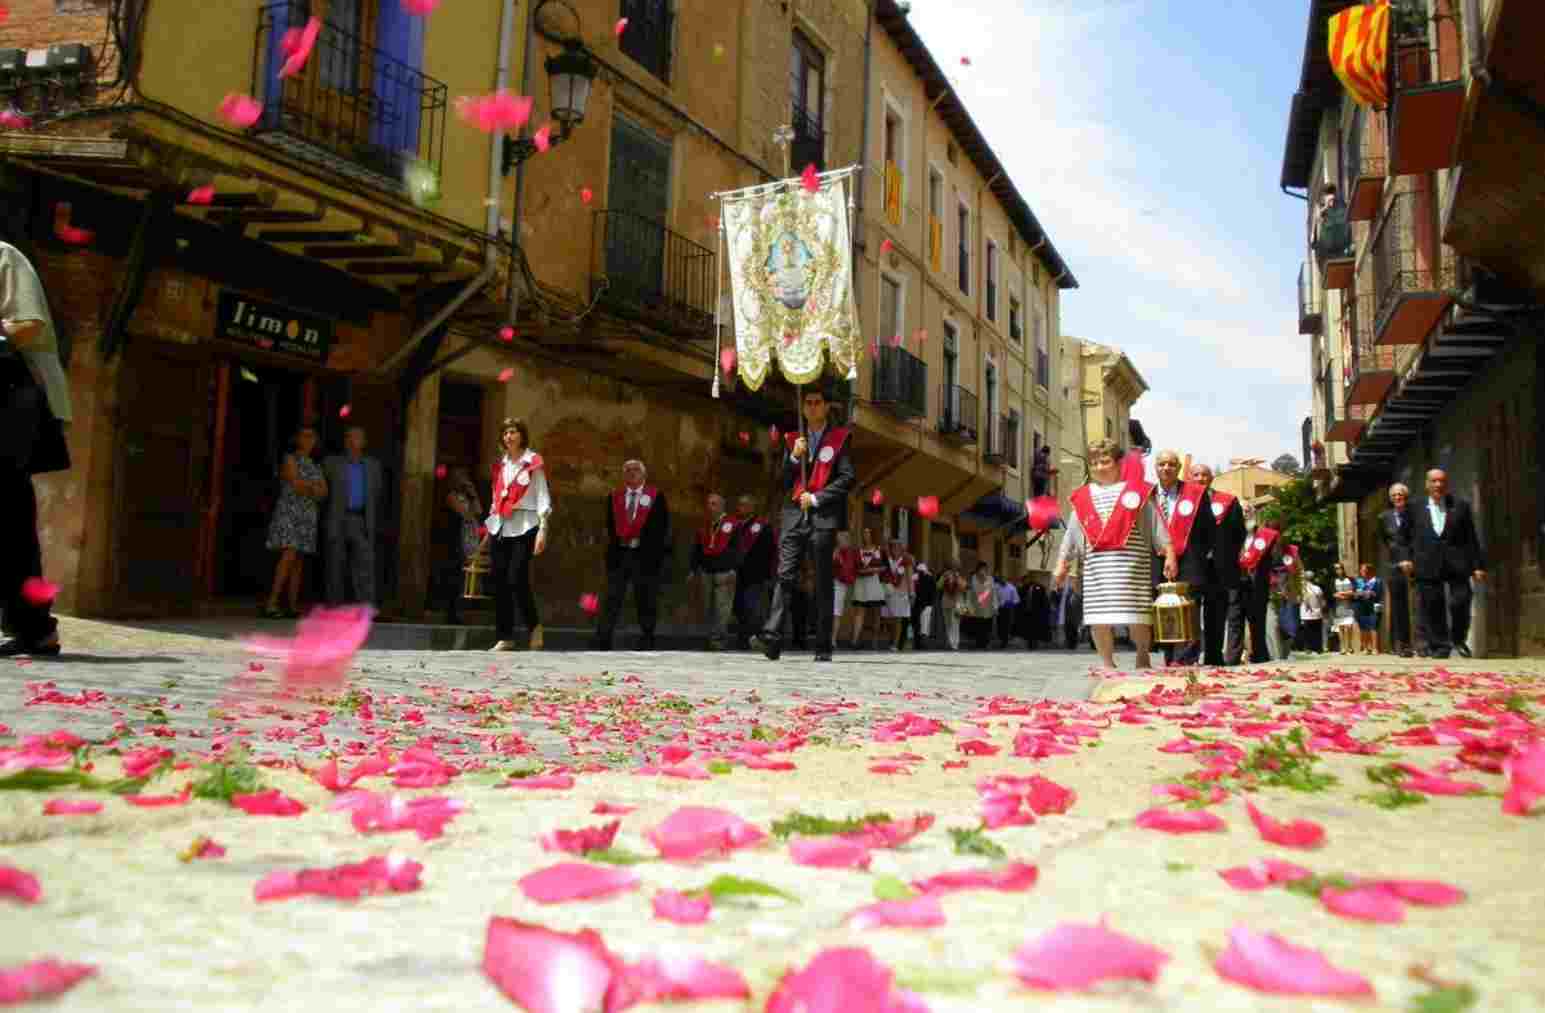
pixel 1369 369
pixel 1364 165
pixel 648 36
pixel 353 107
pixel 809 144
pixel 1043 368
pixel 1310 319
pixel 1333 246
pixel 958 413
pixel 640 268
pixel 901 382
pixel 1002 440
pixel 1411 276
pixel 1426 88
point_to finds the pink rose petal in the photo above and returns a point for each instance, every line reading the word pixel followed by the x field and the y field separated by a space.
pixel 1297 834
pixel 543 138
pixel 576 881
pixel 612 809
pixel 840 980
pixel 140 762
pixel 296 45
pixel 19 885
pixel 810 179
pixel 891 834
pixel 272 802
pixel 928 506
pixel 420 8
pixel 1015 877
pixel 1426 892
pixel 240 110
pixel 577 842
pixel 829 853
pixel 379 874
pixel 698 832
pixel 1264 873
pixel 1525 770
pixel 40 979
pixel 1076 956
pixel 662 979
pixel 589 603
pixel 71 807
pixel 371 813
pixel 543 971
pixel 1268 963
pixel 1364 903
pixel 161 801
pixel 674 906
pixel 38 591
pixel 922 911
pixel 323 648
pixel 620 27
pixel 1177 822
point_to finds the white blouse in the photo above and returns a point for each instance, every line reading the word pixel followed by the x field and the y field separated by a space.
pixel 535 506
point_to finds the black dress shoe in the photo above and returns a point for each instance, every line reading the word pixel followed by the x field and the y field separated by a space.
pixel 822 656
pixel 1464 651
pixel 600 644
pixel 646 642
pixel 17 648
pixel 1437 654
pixel 771 646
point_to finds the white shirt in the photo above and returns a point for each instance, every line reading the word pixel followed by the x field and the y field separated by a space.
pixel 1313 605
pixel 534 506
pixel 21 298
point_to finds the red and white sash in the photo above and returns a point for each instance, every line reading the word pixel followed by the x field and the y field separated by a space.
pixel 750 531
pixel 831 445
pixel 895 570
pixel 1257 546
pixel 714 539
pixel 507 499
pixel 1221 502
pixel 1111 533
pixel 1184 516
pixel 629 530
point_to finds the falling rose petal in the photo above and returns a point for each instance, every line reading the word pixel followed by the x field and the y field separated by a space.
pixel 440 472
pixel 727 359
pixel 886 246
pixel 1268 963
pixel 698 831
pixel 1364 903
pixel 1297 834
pixel 71 807
pixel 829 853
pixel 557 782
pixel 810 179
pixel 1266 872
pixel 420 8
pixel 920 912
pixel 1176 822
pixel 1043 512
pixel 681 908
pixel 297 44
pixel 1015 877
pixel 889 767
pixel 74 236
pixel 40 979
pixel 577 842
pixel 38 592
pixel 620 27
pixel 140 762
pixel 928 506
pixel 965 61
pixel 576 881
pixel 1075 956
pixel 379 874
pixel 14 119
pixel 985 596
pixel 543 138
pixel 877 497
pixel 895 341
pixel 324 645
pixel 19 885
pixel 345 411
pixel 874 349
pixel 272 802
pixel 240 110
pixel 506 334
pixel 589 603
pixel 1525 770
pixel 1426 892
pixel 773 435
pixel 745 438
pixel 586 195
pixel 499 111
pixel 506 375
pixel 543 971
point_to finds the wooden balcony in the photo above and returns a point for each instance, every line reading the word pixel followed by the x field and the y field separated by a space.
pixel 1365 164
pixel 1310 319
pixel 1350 428
pixel 1333 247
pixel 1411 277
pixel 1369 370
pixel 1426 90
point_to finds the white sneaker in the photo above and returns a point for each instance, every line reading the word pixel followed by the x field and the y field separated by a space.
pixel 503 645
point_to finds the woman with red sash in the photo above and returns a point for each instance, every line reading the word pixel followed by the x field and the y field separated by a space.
pixel 517 525
pixel 1114 532
pixel 868 591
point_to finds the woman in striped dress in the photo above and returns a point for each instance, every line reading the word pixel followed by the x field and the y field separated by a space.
pixel 1117 579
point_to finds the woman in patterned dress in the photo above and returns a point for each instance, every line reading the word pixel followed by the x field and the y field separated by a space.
pixel 1117 582
pixel 293 531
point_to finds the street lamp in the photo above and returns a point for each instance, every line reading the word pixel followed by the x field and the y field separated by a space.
pixel 569 76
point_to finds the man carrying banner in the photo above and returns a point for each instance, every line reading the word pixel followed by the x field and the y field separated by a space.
pixel 1187 511
pixel 638 525
pixel 1222 602
pixel 818 476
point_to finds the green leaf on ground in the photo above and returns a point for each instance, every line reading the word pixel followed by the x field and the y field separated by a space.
pixel 732 887
pixel 806 825
pixel 531 771
pixel 232 776
pixel 1393 796
pixel 1178 866
pixel 720 766
pixel 1312 886
pixel 1285 761
pixel 974 841
pixel 47 780
pixel 760 734
pixel 941 981
pixel 891 888
pixel 617 856
pixel 1445 999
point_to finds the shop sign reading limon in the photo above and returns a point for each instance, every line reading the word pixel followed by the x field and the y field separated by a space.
pixel 272 327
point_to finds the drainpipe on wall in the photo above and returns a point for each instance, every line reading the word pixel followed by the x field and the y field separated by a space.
pixel 862 175
pixel 491 221
pixel 512 314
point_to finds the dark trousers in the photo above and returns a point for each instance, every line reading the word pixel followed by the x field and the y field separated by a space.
pixel 799 616
pixel 1256 590
pixel 919 635
pixel 1005 624
pixel 748 608
pixel 1398 587
pixel 1214 624
pixel 1237 615
pixel 1311 635
pixel 1445 607
pixel 795 541
pixel 511 562
pixel 21 557
pixel 646 595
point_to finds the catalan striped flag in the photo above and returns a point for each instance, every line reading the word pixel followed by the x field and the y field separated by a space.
pixel 1359 51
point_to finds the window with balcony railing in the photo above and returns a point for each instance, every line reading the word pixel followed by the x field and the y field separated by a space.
pixel 643 269
pixel 1016 319
pixel 647 38
pixel 963 254
pixel 807 93
pixel 1010 441
pixel 992 281
pixel 958 413
pixel 901 382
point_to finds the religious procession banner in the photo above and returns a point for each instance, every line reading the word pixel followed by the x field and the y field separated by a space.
pixel 1359 52
pixel 791 279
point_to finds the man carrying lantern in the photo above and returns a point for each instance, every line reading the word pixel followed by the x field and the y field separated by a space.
pixel 1187 511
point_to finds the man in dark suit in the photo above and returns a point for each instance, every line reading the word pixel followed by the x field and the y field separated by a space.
pixel 817 478
pixel 353 510
pixel 1395 534
pixel 638 530
pixel 756 545
pixel 1223 605
pixel 1187 511
pixel 1445 554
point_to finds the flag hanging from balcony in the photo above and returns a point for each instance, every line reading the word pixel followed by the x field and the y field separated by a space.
pixel 1359 51
pixel 791 278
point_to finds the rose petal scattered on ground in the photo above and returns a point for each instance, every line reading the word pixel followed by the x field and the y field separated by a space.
pixel 829 853
pixel 202 847
pixel 892 833
pixel 1297 834
pixel 544 971
pixel 577 842
pixel 1426 892
pixel 674 906
pixel 554 782
pixel 1173 821
pixel 425 815
pixel 1525 770
pixel 19 885
pixel 40 979
pixel 379 874
pixel 1364 903
pixel 1075 955
pixel 272 802
pixel 71 807
pixel 922 911
pixel 604 808
pixel 657 979
pixel 160 801
pixel 838 980
pixel 1261 874
pixel 699 831
pixel 576 881
pixel 1268 963
pixel 1014 877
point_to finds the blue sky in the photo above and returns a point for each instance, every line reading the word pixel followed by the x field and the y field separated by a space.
pixel 1147 136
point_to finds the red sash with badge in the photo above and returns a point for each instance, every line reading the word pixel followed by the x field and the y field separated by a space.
pixel 1111 533
pixel 507 498
pixel 1184 516
pixel 831 445
pixel 629 530
pixel 1258 545
pixel 717 537
pixel 1221 502
pixel 750 531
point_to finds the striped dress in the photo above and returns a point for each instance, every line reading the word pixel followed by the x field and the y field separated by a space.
pixel 1117 583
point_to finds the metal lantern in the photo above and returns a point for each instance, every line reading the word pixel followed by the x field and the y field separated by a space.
pixel 1176 618
pixel 473 573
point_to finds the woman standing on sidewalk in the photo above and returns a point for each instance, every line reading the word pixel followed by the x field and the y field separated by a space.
pixel 293 531
pixel 517 523
pixel 868 592
pixel 951 587
pixel 1344 618
pixel 1369 590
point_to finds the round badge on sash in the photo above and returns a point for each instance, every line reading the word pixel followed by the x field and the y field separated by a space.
pixel 756 529
pixel 645 500
pixel 727 527
pixel 1186 508
pixel 1260 545
pixel 524 478
pixel 827 453
pixel 1217 509
pixel 1131 500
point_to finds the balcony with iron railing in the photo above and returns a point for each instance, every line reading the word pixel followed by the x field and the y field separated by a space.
pixel 353 107
pixel 1368 368
pixel 809 144
pixel 1426 88
pixel 1002 440
pixel 1310 318
pixel 1043 368
pixel 1412 277
pixel 641 269
pixel 900 382
pixel 1364 164
pixel 647 40
pixel 1333 247
pixel 959 414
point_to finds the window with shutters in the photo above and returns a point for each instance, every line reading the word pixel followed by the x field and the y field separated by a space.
pixel 895 141
pixel 1042 353
pixel 1016 319
pixel 647 37
pixel 963 247
pixel 807 98
pixel 992 281
pixel 935 219
pixel 890 309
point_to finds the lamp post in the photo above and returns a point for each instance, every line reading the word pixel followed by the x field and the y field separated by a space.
pixel 570 74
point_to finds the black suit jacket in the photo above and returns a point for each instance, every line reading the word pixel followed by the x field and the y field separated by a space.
pixel 1453 555
pixel 1396 538
pixel 831 503
pixel 756 562
pixel 1195 562
pixel 1229 538
pixel 653 541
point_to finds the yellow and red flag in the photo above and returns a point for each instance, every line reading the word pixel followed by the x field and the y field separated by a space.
pixel 1359 51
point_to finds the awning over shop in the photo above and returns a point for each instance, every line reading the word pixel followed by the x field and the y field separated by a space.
pixel 990 513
